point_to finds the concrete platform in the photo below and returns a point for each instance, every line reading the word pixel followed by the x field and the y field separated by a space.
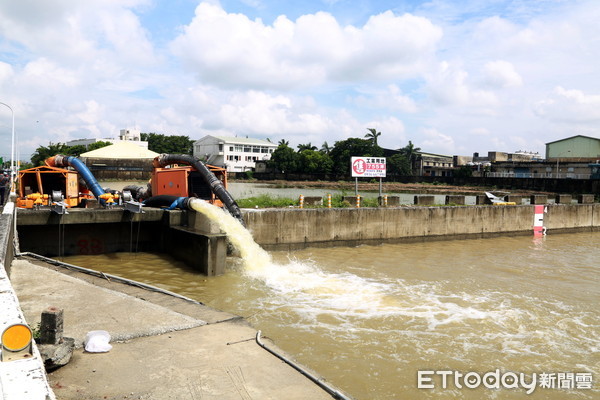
pixel 170 348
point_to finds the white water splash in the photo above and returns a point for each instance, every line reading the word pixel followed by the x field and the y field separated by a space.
pixel 252 255
pixel 325 292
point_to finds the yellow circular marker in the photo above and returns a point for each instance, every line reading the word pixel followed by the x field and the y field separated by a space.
pixel 16 337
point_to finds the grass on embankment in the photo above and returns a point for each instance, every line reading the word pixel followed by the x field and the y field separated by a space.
pixel 267 201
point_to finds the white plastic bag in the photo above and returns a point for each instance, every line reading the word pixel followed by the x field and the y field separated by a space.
pixel 97 342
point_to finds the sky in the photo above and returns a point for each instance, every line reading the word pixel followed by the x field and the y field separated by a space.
pixel 453 77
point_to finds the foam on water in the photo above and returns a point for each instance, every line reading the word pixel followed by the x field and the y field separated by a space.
pixel 309 289
pixel 367 324
pixel 346 306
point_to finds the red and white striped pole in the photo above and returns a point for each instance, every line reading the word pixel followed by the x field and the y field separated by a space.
pixel 329 200
pixel 358 201
pixel 301 201
pixel 538 220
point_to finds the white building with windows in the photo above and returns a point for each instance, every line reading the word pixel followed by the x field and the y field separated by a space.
pixel 234 153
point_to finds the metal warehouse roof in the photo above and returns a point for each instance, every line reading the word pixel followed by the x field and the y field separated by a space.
pixel 124 149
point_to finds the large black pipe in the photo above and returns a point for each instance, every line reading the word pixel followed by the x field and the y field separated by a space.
pixel 139 193
pixel 163 200
pixel 215 184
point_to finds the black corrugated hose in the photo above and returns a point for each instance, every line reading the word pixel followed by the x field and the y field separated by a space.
pixel 215 184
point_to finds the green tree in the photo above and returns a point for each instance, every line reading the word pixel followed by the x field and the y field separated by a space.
pixel 465 171
pixel 411 153
pixel 98 145
pixel 307 146
pixel 25 165
pixel 325 148
pixel 42 153
pixel 373 135
pixel 284 159
pixel 353 147
pixel 283 142
pixel 168 144
pixel 314 162
pixel 398 164
pixel 75 150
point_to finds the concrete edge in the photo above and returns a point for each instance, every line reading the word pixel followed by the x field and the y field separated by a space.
pixel 417 239
pixel 26 378
pixel 124 288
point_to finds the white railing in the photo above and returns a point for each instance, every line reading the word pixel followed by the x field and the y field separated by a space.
pixel 568 175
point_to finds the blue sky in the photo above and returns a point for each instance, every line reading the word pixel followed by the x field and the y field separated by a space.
pixel 454 77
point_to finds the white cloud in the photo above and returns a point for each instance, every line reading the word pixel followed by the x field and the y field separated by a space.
pixel 393 132
pixel 433 140
pixel 451 86
pixel 76 31
pixel 230 50
pixel 501 74
pixel 389 98
pixel 472 82
pixel 43 73
pixel 6 72
pixel 569 106
pixel 479 132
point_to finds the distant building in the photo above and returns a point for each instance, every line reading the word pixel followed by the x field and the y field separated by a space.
pixel 579 146
pixel 571 169
pixel 128 135
pixel 124 160
pixel 233 153
pixel 496 156
pixel 429 164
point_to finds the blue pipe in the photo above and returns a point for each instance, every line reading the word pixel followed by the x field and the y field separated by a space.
pixel 181 203
pixel 91 182
pixel 87 175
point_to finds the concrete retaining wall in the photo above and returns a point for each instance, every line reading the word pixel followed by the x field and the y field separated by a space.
pixel 89 231
pixel 293 228
pixel 26 378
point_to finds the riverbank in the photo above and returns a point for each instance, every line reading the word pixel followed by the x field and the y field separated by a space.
pixel 388 187
pixel 164 347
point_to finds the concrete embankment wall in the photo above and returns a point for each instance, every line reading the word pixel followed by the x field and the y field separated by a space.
pixel 25 378
pixel 277 229
pixel 92 231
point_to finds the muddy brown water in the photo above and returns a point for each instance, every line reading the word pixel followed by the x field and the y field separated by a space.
pixel 369 318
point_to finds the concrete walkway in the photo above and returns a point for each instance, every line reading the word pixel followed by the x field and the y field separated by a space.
pixel 168 348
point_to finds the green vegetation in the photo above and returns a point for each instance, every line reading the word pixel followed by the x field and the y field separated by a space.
pixel 373 135
pixel 266 201
pixel 399 164
pixel 464 171
pixel 36 331
pixel 156 142
pixel 43 152
pixel 336 159
pixel 169 144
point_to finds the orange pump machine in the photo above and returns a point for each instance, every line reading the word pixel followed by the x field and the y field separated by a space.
pixel 185 181
pixel 40 186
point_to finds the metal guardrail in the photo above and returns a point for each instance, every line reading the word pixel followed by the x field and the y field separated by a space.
pixel 549 175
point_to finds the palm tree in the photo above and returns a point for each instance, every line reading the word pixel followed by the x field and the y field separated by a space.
pixel 307 146
pixel 411 153
pixel 373 135
pixel 283 142
pixel 325 148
